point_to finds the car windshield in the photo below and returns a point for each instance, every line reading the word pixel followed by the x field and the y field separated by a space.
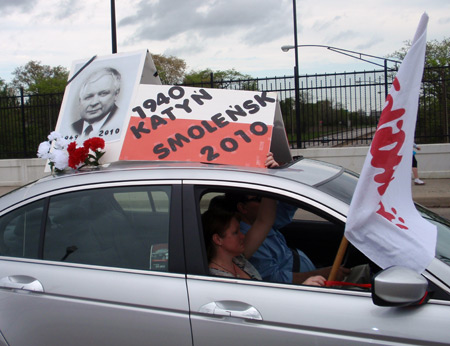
pixel 443 233
pixel 343 186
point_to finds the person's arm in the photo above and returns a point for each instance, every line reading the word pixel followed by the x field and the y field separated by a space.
pixel 264 220
pixel 269 260
pixel 261 227
pixel 285 214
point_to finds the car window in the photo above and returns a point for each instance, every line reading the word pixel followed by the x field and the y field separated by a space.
pixel 300 229
pixel 20 230
pixel 125 227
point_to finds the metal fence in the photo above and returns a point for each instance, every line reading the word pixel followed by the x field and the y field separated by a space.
pixel 342 109
pixel 25 121
pixel 339 109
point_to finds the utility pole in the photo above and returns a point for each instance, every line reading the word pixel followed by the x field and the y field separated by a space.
pixel 113 27
pixel 296 82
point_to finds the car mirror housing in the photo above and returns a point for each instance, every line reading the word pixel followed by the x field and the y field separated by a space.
pixel 399 286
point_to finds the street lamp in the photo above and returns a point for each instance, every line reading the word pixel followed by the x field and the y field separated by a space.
pixel 113 27
pixel 352 54
pixel 296 76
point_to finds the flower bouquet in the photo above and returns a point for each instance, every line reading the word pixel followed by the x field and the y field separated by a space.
pixel 80 157
pixel 62 154
pixel 58 157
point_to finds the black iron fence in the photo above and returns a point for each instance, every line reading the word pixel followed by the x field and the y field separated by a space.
pixel 339 109
pixel 342 109
pixel 25 121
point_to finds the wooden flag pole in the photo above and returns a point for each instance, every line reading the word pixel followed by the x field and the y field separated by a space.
pixel 338 260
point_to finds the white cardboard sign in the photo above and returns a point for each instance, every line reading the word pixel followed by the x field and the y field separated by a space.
pixel 122 98
pixel 102 89
pixel 176 123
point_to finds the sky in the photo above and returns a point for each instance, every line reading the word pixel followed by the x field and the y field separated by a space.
pixel 246 35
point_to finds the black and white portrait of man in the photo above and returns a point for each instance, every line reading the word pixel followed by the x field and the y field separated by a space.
pixel 97 103
pixel 97 99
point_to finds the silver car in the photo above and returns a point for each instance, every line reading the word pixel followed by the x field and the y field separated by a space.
pixel 116 256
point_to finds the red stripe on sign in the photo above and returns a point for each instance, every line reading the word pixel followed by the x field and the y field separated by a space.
pixel 197 140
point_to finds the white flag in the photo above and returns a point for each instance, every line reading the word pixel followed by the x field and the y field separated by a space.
pixel 382 221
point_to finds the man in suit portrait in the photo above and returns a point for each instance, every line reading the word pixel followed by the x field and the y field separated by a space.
pixel 97 99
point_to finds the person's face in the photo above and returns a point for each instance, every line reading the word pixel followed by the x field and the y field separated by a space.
pixel 233 239
pixel 97 99
pixel 249 208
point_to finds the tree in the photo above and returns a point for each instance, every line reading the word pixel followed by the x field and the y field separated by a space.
pixel 437 53
pixel 3 88
pixel 36 78
pixel 7 95
pixel 437 58
pixel 223 79
pixel 170 69
pixel 435 87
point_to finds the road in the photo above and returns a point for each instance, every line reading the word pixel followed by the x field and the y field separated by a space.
pixel 353 137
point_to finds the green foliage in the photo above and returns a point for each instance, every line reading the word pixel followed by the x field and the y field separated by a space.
pixel 198 77
pixel 24 126
pixel 5 90
pixel 437 53
pixel 36 78
pixel 170 69
pixel 436 88
pixel 225 79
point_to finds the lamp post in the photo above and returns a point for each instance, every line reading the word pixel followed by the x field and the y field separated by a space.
pixel 296 76
pixel 352 54
pixel 113 27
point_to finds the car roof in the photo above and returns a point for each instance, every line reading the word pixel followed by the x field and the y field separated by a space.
pixel 305 171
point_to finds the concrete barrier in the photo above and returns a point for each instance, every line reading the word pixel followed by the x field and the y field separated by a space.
pixel 17 172
pixel 433 159
pixel 433 162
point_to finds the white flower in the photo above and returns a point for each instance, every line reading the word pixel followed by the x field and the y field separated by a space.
pixel 60 159
pixel 60 143
pixel 44 150
pixel 54 136
pixel 55 151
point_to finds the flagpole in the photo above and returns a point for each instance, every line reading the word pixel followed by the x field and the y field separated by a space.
pixel 338 259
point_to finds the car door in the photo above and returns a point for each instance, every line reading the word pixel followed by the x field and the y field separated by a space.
pixel 98 266
pixel 235 311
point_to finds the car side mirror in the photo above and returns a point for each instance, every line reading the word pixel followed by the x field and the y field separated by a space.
pixel 399 286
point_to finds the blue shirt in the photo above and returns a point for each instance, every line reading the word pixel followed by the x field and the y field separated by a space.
pixel 274 259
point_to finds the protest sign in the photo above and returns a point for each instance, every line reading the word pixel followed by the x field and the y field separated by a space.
pixel 176 123
pixel 98 96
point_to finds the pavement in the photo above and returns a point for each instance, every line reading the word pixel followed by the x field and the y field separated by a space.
pixel 435 195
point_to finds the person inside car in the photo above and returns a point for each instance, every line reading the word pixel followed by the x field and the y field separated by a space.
pixel 274 259
pixel 228 249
